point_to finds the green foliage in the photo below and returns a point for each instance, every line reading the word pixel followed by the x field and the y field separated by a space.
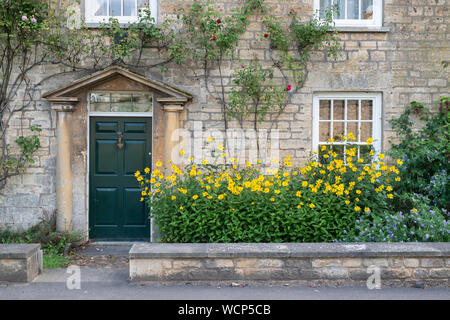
pixel 226 203
pixel 425 153
pixel 11 163
pixel 53 243
pixel 423 223
pixel 254 92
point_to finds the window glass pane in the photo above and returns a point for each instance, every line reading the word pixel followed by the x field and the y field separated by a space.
pixel 100 97
pixel 338 109
pixel 115 8
pixel 338 130
pixel 121 102
pixel 364 151
pixel 324 131
pixel 100 7
pixel 352 9
pixel 129 8
pixel 339 150
pixel 143 4
pixel 325 5
pixel 353 128
pixel 366 131
pixel 142 103
pixel 366 109
pixel 325 109
pixel 100 107
pixel 352 110
pixel 367 9
pixel 340 4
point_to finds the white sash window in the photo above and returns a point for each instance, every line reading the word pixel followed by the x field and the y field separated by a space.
pixel 352 13
pixel 125 11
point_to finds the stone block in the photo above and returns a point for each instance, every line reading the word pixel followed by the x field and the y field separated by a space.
pixel 19 262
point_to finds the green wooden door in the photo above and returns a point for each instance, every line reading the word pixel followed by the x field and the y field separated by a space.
pixel 115 212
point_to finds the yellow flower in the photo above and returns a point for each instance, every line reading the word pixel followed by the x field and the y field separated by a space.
pixel 381 156
pixel 173 197
pixel 181 208
pixel 195 197
pixel 137 173
pixel 397 179
pixel 277 191
pixel 399 162
pixel 304 183
pixel 159 164
pixel 358 191
pixel 357 208
pixel 210 139
pixel 204 162
pixel 347 202
pixel 312 205
pixel 147 170
pixel 181 152
pixel 143 193
pixel 142 199
pixel 390 196
pixel 414 210
pixel 366 209
pixel 272 199
pixel 223 154
pixel 389 188
pixel 351 136
pixel 298 194
pixel 323 148
pixel 220 147
pixel 221 196
pixel 369 140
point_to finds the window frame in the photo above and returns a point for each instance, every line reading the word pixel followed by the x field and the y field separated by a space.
pixel 91 19
pixel 377 20
pixel 121 113
pixel 377 133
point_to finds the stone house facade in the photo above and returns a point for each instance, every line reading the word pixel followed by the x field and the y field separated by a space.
pixel 393 52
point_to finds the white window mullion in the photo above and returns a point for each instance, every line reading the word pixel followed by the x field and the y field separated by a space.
pixel 331 118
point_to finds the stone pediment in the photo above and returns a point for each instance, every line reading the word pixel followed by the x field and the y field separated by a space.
pixel 67 94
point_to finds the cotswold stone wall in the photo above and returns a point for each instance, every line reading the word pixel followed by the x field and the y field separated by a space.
pixel 404 62
pixel 326 264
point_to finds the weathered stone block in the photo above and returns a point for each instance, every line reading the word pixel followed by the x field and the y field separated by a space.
pixel 19 262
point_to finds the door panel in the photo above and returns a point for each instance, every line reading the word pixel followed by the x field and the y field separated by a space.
pixel 107 159
pixel 115 212
pixel 106 206
pixel 135 156
pixel 135 214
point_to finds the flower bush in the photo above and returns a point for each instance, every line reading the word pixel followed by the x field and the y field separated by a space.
pixel 321 202
pixel 425 153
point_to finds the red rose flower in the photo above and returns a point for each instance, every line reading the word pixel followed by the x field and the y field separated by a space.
pixel 266 35
pixel 288 88
pixel 242 66
pixel 213 38
pixel 219 21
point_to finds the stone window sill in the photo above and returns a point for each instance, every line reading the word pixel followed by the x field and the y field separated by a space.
pixel 363 29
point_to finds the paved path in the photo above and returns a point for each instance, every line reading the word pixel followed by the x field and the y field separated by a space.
pixel 102 255
pixel 113 284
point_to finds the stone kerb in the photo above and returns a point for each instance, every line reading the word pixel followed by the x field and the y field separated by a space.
pixel 396 263
pixel 20 262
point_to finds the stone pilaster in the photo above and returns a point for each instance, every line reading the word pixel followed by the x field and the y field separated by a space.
pixel 64 166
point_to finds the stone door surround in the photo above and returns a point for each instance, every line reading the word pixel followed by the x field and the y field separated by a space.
pixel 72 116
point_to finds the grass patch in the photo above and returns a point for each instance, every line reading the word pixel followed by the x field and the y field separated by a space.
pixel 53 243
